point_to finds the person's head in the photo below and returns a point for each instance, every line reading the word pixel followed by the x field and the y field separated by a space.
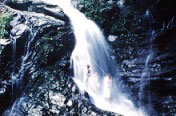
pixel 88 66
pixel 110 77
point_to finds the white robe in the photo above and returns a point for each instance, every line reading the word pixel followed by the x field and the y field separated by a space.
pixel 107 85
pixel 93 83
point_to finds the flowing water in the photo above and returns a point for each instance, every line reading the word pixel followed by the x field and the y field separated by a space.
pixel 94 70
pixel 144 97
pixel 14 61
pixel 17 76
pixel 144 80
pixel 145 77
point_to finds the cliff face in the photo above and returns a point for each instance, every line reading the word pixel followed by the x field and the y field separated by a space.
pixel 36 42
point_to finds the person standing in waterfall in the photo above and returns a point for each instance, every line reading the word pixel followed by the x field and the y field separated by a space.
pixel 92 80
pixel 88 74
pixel 88 70
pixel 107 87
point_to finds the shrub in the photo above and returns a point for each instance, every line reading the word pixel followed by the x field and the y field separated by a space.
pixel 103 12
pixel 5 24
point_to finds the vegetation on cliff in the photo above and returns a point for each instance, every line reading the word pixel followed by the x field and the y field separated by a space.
pixel 5 19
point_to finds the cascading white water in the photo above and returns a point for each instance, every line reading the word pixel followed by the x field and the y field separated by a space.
pixel 145 76
pixel 93 66
pixel 13 60
pixel 15 108
pixel 18 77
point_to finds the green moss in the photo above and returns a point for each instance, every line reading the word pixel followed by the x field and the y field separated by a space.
pixel 4 24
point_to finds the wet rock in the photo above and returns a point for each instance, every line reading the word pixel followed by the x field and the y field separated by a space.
pixel 18 30
pixel 112 38
pixel 22 27
pixel 19 4
pixel 74 89
pixel 69 103
pixel 17 20
pixel 4 42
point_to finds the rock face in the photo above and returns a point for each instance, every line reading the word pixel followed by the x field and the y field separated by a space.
pixel 23 28
pixel 145 51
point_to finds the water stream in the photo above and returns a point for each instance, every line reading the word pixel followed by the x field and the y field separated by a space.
pixel 14 61
pixel 17 76
pixel 144 97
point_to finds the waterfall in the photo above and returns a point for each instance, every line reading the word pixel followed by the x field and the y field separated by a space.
pixel 13 60
pixel 94 70
pixel 17 77
pixel 16 107
pixel 14 50
pixel 145 77
pixel 144 97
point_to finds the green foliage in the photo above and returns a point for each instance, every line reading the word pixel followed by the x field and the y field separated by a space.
pixel 30 8
pixel 103 12
pixel 112 19
pixel 4 24
pixel 46 37
pixel 46 51
pixel 0 49
pixel 14 1
pixel 46 48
